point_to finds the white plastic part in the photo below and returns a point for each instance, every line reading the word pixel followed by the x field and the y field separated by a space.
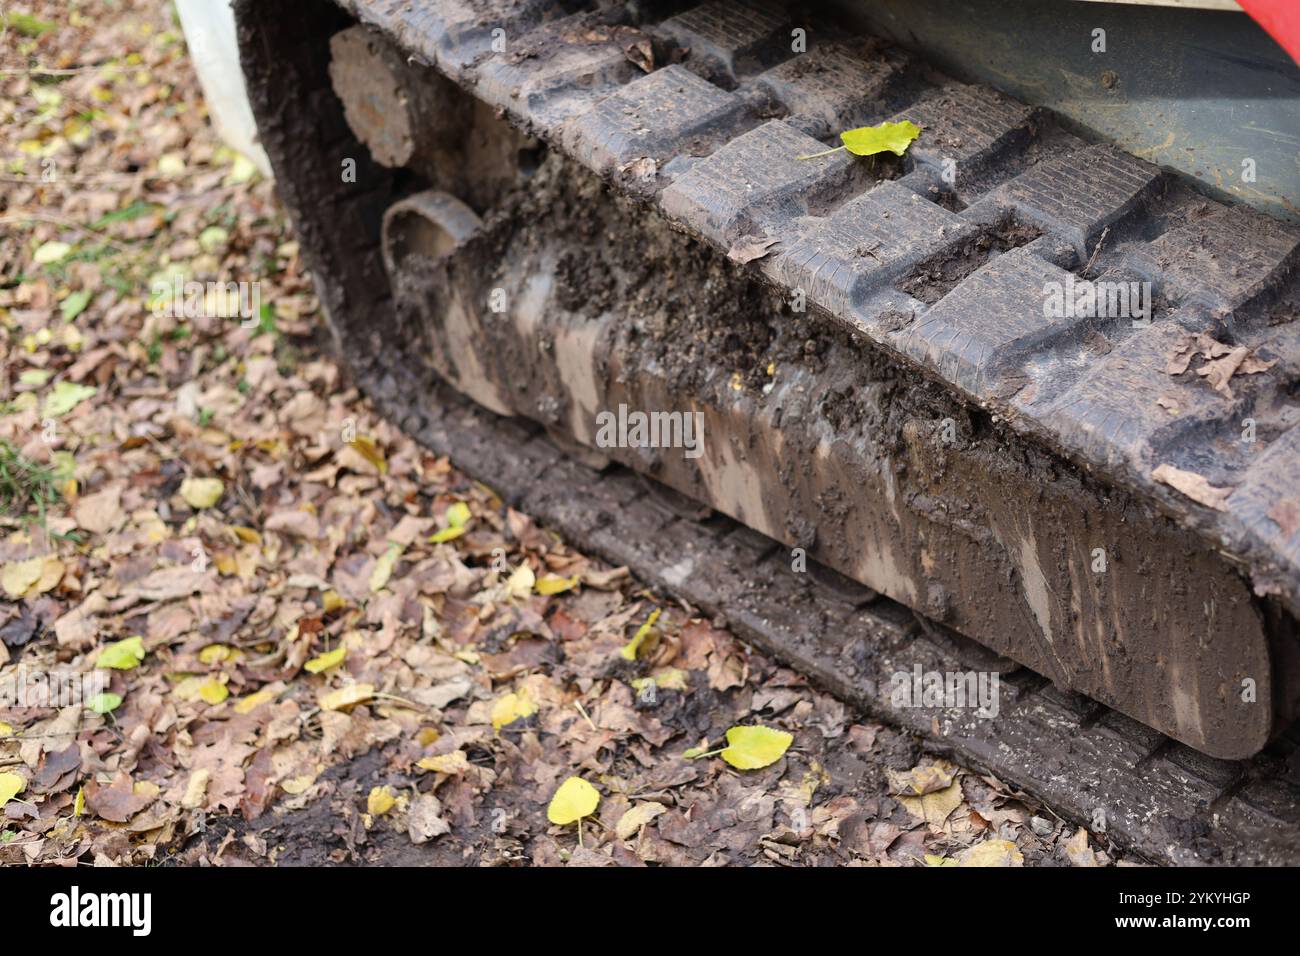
pixel 209 27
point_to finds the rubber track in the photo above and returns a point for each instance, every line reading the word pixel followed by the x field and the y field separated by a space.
pixel 723 172
pixel 1157 798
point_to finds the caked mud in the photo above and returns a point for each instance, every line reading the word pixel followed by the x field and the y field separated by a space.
pixel 843 425
pixel 821 440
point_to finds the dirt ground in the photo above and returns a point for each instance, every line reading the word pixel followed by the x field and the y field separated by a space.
pixel 317 642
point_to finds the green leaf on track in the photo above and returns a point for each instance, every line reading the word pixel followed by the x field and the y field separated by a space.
pixel 870 140
pixel 886 137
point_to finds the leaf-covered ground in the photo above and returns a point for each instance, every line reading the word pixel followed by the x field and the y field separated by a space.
pixel 327 644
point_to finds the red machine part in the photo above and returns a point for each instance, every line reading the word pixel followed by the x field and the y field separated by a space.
pixel 1281 18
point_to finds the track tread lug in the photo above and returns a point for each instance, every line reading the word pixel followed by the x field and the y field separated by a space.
pixel 1113 414
pixel 726 39
pixel 988 324
pixel 755 182
pixel 1079 194
pixel 968 125
pixel 1221 260
pixel 833 86
pixel 866 242
pixel 1267 487
pixel 654 116
pixel 582 63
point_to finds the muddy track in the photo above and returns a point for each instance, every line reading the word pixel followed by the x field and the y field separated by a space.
pixel 1154 796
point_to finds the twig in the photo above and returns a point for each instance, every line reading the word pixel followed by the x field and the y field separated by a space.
pixel 582 710
pixel 1096 250
pixel 66 223
pixel 48 71
pixel 86 180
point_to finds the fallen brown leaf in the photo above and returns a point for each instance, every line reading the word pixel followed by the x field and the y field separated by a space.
pixel 749 248
pixel 1194 486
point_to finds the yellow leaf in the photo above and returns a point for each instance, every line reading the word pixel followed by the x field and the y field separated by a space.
pixel 331 601
pixel 122 655
pixel 427 736
pixel 934 808
pixel 215 653
pixel 6 730
pixel 79 805
pixel 247 535
pixel 520 584
pixel 749 748
pixel 348 696
pixel 511 707
pixel 670 678
pixel 384 568
pixel 455 521
pixel 104 703
pixel 991 853
pixel 454 763
pixel 171 164
pixel 630 823
pixel 919 781
pixel 380 801
pixel 51 574
pixel 202 493
pixel 444 535
pixel 213 691
pixel 246 705
pixel 629 650
pixel 10 786
pixel 325 661
pixel 554 584
pixel 574 800
pixel 933 860
pixel 371 452
pixel 884 137
pixel 299 784
pixel 19 576
pixel 241 171
pixel 196 788
pixel 188 688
